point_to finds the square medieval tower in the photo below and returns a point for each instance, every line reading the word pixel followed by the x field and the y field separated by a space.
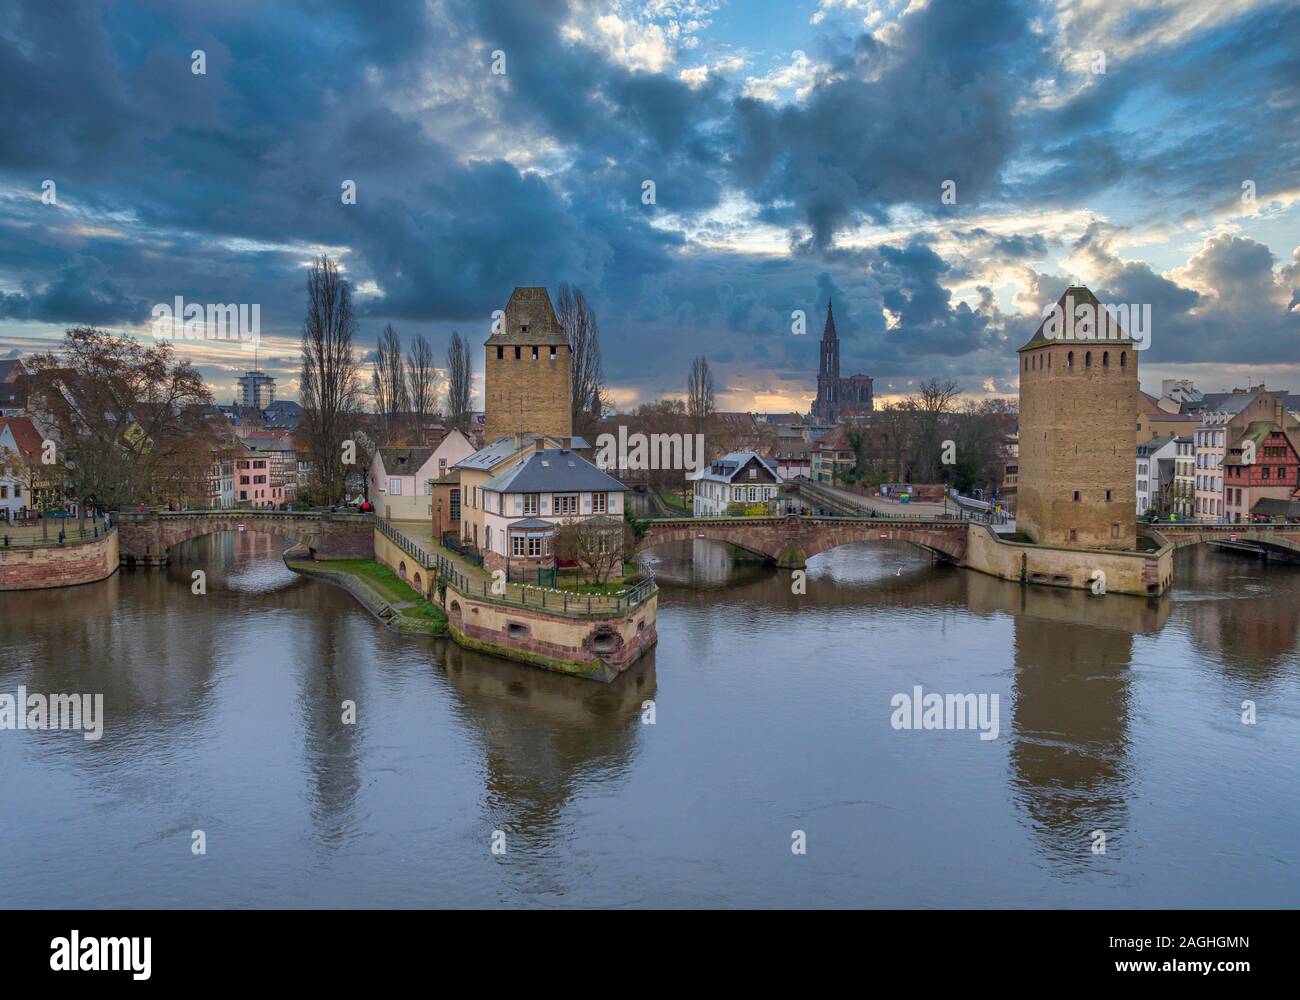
pixel 1078 428
pixel 526 371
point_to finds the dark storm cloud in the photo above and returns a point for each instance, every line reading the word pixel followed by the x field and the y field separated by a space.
pixel 896 122
pixel 80 288
pixel 219 187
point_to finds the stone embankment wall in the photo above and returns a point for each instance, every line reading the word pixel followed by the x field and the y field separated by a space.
pixel 1147 573
pixel 38 567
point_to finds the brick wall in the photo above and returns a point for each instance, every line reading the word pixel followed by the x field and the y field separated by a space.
pixel 526 395
pixel 1078 435
pixel 39 567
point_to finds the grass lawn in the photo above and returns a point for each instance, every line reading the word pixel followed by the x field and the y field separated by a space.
pixel 674 501
pixel 379 576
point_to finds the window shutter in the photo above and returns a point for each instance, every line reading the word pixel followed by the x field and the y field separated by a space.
pixel 519 503
pixel 586 503
pixel 544 504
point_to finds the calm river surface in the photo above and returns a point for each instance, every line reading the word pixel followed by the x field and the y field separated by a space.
pixel 772 714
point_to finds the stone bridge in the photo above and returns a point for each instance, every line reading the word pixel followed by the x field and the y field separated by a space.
pixel 146 539
pixel 792 540
pixel 1282 537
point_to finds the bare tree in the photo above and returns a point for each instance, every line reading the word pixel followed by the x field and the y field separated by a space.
pixel 130 420
pixel 422 383
pixel 388 385
pixel 930 405
pixel 699 393
pixel 586 372
pixel 331 383
pixel 460 377
pixel 598 546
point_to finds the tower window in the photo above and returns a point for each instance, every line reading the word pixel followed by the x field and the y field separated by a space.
pixel 1069 360
pixel 552 352
pixel 501 352
pixel 517 354
pixel 1077 496
pixel 534 353
pixel 1108 496
pixel 1087 359
pixel 1105 359
pixel 1123 359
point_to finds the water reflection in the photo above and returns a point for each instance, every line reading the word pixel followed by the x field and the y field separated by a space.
pixel 225 713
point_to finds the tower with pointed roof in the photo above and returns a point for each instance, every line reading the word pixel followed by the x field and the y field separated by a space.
pixel 838 397
pixel 526 373
pixel 1078 428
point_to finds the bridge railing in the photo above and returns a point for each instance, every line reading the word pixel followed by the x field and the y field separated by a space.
pixel 313 513
pixel 550 599
pixel 425 559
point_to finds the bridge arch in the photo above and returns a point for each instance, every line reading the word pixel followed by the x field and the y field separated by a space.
pixel 148 538
pixel 791 540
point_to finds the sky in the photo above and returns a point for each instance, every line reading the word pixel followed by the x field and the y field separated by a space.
pixel 705 171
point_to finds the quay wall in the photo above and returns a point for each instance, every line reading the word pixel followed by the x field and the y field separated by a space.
pixel 38 567
pixel 1146 573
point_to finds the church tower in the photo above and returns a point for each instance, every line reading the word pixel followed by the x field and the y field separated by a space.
pixel 1078 428
pixel 526 371
pixel 828 372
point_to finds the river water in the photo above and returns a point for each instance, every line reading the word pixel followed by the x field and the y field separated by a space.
pixel 772 714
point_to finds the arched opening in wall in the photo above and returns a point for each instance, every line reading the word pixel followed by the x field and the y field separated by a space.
pixel 603 640
pixel 640 626
pixel 515 630
pixel 1087 359
pixel 1105 359
pixel 1123 359
pixel 418 584
pixel 401 570
pixel 1049 361
pixel 1069 360
pixel 454 611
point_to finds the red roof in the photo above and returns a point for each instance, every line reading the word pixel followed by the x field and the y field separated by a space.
pixel 26 436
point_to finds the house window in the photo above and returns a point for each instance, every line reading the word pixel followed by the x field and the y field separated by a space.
pixel 599 502
pixel 1114 530
pixel 566 503
pixel 428 487
pixel 534 545
pixel 455 505
pixel 531 501
pixel 395 487
pixel 753 473
pixel 517 545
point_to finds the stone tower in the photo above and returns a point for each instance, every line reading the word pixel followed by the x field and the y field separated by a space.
pixel 1078 428
pixel 526 371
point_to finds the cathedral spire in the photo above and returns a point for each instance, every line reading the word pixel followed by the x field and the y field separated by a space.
pixel 829 333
